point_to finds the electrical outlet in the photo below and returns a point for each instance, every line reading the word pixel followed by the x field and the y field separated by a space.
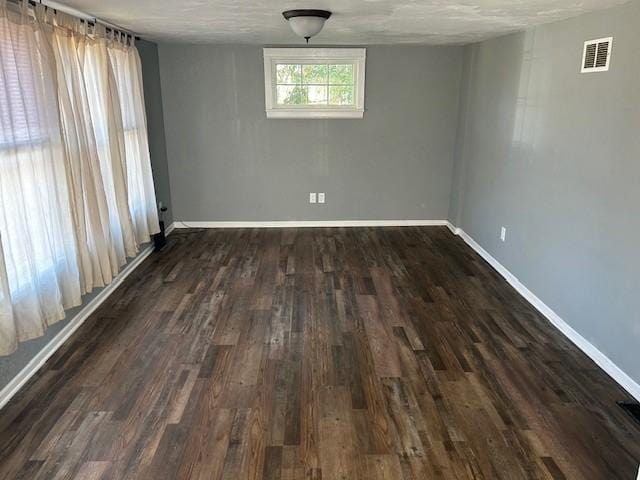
pixel 503 234
pixel 312 198
pixel 321 198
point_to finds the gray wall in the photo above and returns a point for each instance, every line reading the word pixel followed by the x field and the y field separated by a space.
pixel 227 162
pixel 554 156
pixel 11 365
pixel 155 124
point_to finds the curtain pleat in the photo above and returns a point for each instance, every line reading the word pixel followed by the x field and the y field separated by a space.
pixel 127 70
pixel 107 122
pixel 76 191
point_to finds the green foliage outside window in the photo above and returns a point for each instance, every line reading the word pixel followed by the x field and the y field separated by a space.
pixel 315 84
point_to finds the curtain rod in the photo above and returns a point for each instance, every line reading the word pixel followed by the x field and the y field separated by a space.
pixel 109 27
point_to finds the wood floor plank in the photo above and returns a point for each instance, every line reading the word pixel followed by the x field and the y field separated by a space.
pixel 336 353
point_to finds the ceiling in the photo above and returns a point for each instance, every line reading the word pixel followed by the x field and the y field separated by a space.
pixel 353 21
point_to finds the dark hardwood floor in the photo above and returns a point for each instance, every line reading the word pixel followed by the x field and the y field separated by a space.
pixel 364 353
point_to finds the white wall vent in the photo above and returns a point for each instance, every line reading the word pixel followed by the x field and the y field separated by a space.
pixel 597 55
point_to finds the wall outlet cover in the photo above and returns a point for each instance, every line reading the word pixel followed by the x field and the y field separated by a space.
pixel 312 198
pixel 503 234
pixel 321 198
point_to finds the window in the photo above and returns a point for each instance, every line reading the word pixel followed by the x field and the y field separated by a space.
pixel 30 150
pixel 18 104
pixel 314 82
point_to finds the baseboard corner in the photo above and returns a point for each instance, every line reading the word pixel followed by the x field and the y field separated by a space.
pixel 455 230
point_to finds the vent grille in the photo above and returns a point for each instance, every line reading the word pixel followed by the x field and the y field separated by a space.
pixel 590 55
pixel 602 58
pixel 597 55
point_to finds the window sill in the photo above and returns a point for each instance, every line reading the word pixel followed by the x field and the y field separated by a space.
pixel 314 114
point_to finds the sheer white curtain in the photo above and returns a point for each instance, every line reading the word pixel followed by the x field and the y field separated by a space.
pixel 107 124
pixel 38 238
pixel 76 190
pixel 127 70
pixel 87 185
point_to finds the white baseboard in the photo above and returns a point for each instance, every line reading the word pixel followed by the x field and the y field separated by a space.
pixel 313 223
pixel 56 342
pixel 169 229
pixel 582 343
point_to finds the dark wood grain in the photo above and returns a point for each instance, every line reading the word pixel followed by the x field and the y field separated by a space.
pixel 364 353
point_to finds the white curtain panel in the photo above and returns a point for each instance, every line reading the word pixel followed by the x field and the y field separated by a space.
pixel 76 190
pixel 87 185
pixel 36 226
pixel 107 124
pixel 127 69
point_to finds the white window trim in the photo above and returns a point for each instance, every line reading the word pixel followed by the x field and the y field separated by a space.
pixel 273 56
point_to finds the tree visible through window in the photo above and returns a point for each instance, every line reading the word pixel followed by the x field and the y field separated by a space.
pixel 315 84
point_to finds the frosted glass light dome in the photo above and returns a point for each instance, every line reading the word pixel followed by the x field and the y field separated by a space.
pixel 306 23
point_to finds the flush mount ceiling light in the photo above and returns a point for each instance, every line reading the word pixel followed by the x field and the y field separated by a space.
pixel 306 23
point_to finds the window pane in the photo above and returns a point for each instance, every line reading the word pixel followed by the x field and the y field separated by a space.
pixel 287 73
pixel 291 95
pixel 341 74
pixel 20 118
pixel 314 73
pixel 341 95
pixel 317 94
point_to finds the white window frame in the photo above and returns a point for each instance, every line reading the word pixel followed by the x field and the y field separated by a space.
pixel 274 56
